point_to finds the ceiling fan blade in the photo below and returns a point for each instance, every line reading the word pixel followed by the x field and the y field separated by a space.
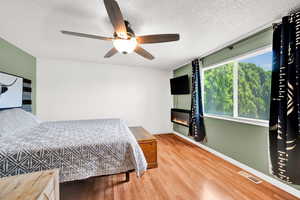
pixel 148 39
pixel 116 18
pixel 86 35
pixel 142 52
pixel 111 52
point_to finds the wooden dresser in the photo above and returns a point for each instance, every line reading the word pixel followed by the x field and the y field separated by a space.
pixel 147 143
pixel 42 185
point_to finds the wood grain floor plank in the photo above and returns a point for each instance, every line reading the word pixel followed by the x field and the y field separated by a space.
pixel 185 172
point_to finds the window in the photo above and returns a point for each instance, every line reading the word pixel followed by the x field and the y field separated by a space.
pixel 218 89
pixel 240 88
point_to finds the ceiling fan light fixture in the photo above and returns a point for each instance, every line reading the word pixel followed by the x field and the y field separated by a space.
pixel 124 39
pixel 125 46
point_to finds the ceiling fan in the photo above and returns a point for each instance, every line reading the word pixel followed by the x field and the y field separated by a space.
pixel 124 39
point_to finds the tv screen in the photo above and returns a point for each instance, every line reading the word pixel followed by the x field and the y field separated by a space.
pixel 180 85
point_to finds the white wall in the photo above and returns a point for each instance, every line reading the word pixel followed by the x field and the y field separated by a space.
pixel 69 90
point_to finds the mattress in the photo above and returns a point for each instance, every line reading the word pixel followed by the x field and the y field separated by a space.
pixel 80 149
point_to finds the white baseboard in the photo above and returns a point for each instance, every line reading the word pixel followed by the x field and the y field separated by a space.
pixel 259 174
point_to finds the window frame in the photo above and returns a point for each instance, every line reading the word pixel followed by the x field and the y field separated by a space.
pixel 235 60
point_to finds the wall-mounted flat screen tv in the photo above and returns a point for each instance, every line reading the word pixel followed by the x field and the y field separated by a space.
pixel 180 85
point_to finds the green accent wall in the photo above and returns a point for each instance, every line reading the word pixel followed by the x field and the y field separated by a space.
pixel 245 143
pixel 16 61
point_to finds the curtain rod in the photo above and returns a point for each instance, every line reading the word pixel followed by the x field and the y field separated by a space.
pixel 230 43
pixel 243 37
pixel 292 11
pixel 249 34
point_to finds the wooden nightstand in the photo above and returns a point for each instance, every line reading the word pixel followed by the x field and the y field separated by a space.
pixel 43 185
pixel 147 143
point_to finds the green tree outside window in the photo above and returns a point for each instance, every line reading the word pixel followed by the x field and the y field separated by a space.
pixel 253 89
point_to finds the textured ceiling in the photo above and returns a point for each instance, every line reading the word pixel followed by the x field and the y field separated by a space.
pixel 34 25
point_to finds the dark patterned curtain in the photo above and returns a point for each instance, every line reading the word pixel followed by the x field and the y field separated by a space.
pixel 284 134
pixel 197 129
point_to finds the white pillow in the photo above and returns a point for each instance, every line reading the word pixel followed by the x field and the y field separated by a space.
pixel 14 120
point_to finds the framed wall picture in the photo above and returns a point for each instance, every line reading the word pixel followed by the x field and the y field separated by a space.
pixel 11 91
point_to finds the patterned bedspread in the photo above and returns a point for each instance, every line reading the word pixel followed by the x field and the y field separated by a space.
pixel 80 149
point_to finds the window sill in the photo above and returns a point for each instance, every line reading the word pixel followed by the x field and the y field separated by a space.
pixel 255 122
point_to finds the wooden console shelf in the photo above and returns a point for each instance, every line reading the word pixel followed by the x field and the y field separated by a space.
pixel 147 143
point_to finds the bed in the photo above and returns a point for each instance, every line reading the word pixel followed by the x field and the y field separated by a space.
pixel 80 149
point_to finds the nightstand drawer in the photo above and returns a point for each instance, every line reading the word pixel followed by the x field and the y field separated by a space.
pixel 43 185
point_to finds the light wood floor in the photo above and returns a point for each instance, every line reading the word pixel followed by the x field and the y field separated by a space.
pixel 185 172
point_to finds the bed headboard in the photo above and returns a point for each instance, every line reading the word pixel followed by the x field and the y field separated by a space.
pixel 27 96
